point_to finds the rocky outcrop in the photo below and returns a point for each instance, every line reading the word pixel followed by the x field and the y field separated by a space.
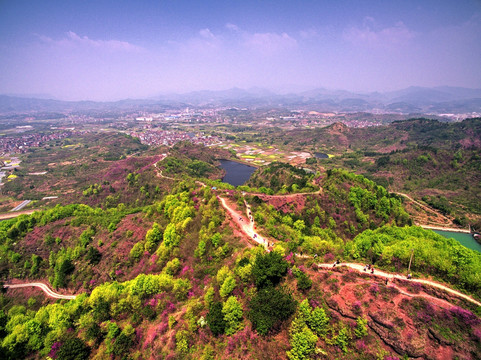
pixel 388 333
pixel 433 334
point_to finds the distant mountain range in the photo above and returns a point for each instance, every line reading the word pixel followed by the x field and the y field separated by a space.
pixel 437 100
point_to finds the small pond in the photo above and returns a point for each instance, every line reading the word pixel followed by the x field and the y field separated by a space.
pixel 320 155
pixel 236 173
pixel 464 238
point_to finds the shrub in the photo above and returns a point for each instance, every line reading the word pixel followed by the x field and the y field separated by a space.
pixel 303 281
pixel 361 327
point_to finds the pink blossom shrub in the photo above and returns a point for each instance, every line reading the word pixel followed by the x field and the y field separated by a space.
pixel 53 350
pixel 361 345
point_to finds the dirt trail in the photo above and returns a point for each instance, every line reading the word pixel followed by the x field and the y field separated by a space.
pixel 434 300
pixel 45 289
pixel 386 275
pixel 159 172
pixel 465 231
pixel 244 223
pixel 12 215
pixel 427 209
pixel 248 229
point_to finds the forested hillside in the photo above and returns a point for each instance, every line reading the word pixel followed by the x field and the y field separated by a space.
pixel 177 278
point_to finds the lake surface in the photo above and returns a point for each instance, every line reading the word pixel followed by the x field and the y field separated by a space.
pixel 236 173
pixel 321 155
pixel 465 239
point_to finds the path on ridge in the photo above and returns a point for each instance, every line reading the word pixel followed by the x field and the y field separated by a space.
pixel 248 229
pixel 433 299
pixel 247 226
pixel 43 287
pixel 386 275
pixel 426 208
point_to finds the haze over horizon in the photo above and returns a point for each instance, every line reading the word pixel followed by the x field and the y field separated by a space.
pixel 108 50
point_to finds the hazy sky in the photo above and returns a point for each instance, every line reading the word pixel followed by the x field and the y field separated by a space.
pixel 107 50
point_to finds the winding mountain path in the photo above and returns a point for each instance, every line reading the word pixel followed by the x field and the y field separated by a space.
pixel 386 275
pixel 43 287
pixel 248 228
pixel 245 224
pixel 449 221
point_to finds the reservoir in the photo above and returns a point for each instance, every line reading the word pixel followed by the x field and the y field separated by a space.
pixel 464 238
pixel 236 173
pixel 320 155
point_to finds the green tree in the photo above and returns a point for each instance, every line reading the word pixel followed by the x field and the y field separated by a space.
pixel 319 321
pixel 215 319
pixel 122 344
pixel 227 286
pixel 36 260
pixel 153 238
pixel 136 251
pixel 269 308
pixel 269 269
pixel 63 268
pixel 232 310
pixel 342 339
pixel 171 237
pixel 304 311
pixel 73 349
pixel 200 251
pixel 302 340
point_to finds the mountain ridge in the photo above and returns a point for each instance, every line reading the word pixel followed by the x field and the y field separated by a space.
pixel 442 99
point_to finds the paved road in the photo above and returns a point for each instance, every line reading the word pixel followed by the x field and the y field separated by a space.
pixel 21 206
pixel 44 288
pixel 383 274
